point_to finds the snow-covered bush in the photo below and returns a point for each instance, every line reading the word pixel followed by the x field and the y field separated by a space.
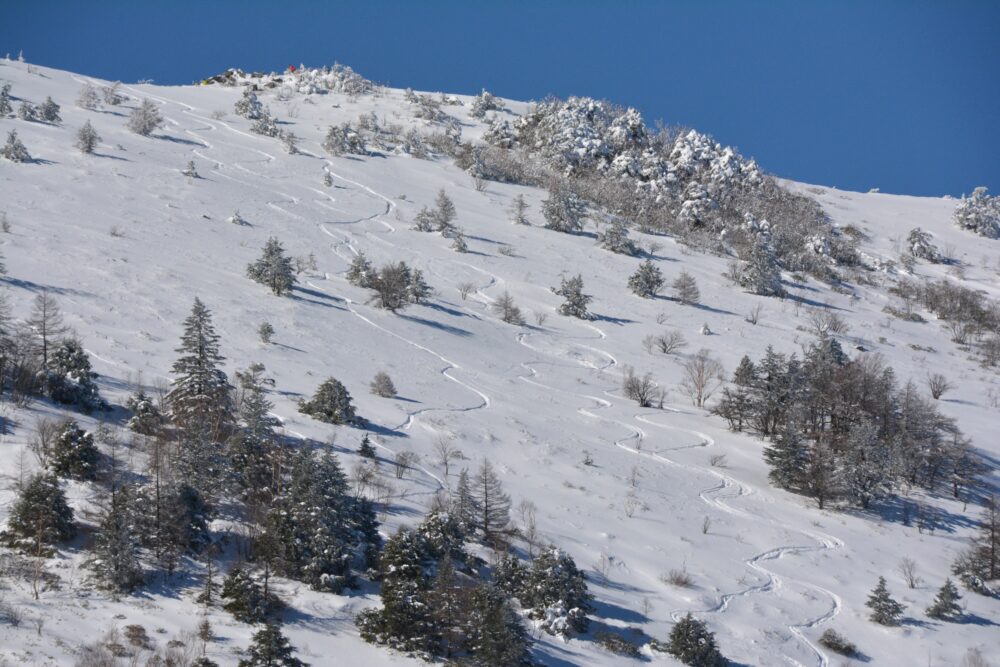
pixel 69 379
pixel 331 404
pixel 482 103
pixel 14 150
pixel 74 454
pixel 145 118
pixel 979 213
pixel 918 244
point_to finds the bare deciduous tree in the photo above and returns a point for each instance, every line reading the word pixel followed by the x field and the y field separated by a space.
pixel 938 385
pixel 703 374
pixel 404 461
pixel 908 568
pixel 642 390
pixel 445 453
pixel 667 343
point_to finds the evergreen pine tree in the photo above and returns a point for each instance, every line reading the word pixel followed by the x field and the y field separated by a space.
pixel 245 599
pixel 191 171
pixel 425 220
pixel 248 106
pixel 88 98
pixel 788 456
pixel 615 238
pixel 49 111
pixel 885 610
pixel 273 269
pixel 495 634
pixel 555 591
pixel 980 562
pixel 39 518
pixel 458 243
pixel 252 452
pixel 417 290
pixel 564 210
pixel 27 111
pixel 866 464
pixel 146 418
pixel 307 532
pixel 761 273
pixel 266 332
pixel 647 281
pixel 405 621
pixel 693 643
pixel 199 397
pixel 14 150
pixel 575 301
pixel 74 455
pixel 327 178
pixel 360 272
pixel 265 125
pixel 145 118
pixel 87 138
pixel 5 107
pixel 367 450
pixel 945 606
pixel 270 648
pixel 331 404
pixel 115 561
pixel 68 378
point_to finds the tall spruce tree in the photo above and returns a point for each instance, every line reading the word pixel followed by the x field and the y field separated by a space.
pixel 252 452
pixel 788 456
pixel 115 560
pixel 494 632
pixel 200 394
pixel 885 610
pixel 945 606
pixel 555 592
pixel 74 454
pixel 273 269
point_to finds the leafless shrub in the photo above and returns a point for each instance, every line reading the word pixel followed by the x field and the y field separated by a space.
pixel 465 289
pixel 43 438
pixel 507 251
pixel 667 343
pixel 382 385
pixel 479 183
pixel 703 374
pixel 824 322
pixel 642 390
pixel 661 318
pixel 706 525
pixel 938 384
pixel 218 114
pixel 718 461
pixel 974 658
pixel 404 461
pixel 540 318
pixel 754 314
pixel 677 577
pixel 116 231
pixel 908 569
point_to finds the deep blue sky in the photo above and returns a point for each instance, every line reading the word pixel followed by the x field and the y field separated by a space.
pixel 903 95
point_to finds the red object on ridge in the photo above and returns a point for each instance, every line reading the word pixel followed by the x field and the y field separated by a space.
pixel 291 68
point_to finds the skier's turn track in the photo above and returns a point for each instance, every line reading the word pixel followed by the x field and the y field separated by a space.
pixel 715 497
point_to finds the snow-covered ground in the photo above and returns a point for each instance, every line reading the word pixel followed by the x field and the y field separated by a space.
pixel 771 572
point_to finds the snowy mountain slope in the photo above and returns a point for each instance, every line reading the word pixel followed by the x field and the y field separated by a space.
pixel 770 572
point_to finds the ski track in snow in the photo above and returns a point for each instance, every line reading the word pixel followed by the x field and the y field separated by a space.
pixel 712 496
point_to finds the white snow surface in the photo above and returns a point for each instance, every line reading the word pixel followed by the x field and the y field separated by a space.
pixel 769 576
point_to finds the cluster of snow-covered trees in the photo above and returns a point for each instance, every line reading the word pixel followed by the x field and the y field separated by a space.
pixel 979 213
pixel 302 80
pixel 394 286
pixel 673 181
pixel 843 428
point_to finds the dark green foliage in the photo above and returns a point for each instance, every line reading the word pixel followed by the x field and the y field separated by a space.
pixel 331 404
pixel 74 454
pixel 253 452
pixel 247 600
pixel 693 643
pixel 199 399
pixel 173 521
pixel 270 648
pixel 615 643
pixel 647 281
pixel 315 525
pixel 69 379
pixel 405 622
pixel 980 562
pixel 885 610
pixel 575 303
pixel 40 517
pixel 146 418
pixel 554 591
pixel 273 269
pixel 115 560
pixel 945 606
pixel 366 449
pixel 494 632
pixel 837 643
